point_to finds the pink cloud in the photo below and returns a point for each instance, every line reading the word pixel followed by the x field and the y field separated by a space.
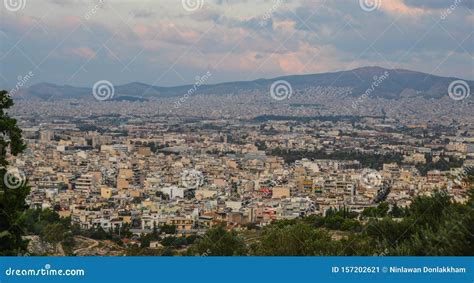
pixel 69 22
pixel 470 19
pixel 83 52
pixel 396 7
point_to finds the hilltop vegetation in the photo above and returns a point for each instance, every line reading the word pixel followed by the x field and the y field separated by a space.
pixel 430 226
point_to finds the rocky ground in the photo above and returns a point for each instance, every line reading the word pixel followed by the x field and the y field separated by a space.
pixel 83 247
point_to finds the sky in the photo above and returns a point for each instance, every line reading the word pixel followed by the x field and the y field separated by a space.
pixel 173 42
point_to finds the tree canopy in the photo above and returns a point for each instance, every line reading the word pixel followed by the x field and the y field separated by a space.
pixel 12 198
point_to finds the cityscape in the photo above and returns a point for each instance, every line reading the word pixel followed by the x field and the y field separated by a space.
pixel 365 159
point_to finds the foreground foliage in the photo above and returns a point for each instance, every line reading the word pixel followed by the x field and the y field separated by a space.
pixel 429 226
pixel 12 198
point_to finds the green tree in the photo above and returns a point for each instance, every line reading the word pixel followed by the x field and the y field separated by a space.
pixel 68 243
pixel 97 233
pixel 168 241
pixel 12 200
pixel 380 211
pixel 396 211
pixel 53 233
pixel 294 240
pixel 219 242
pixel 168 229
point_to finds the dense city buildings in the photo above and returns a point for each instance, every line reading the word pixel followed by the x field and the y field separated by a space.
pixel 112 168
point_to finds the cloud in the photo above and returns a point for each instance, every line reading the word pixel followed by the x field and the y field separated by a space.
pixel 398 7
pixel 83 52
pixel 146 14
pixel 158 41
pixel 439 4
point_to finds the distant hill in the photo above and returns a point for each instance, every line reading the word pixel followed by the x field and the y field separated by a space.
pixel 399 83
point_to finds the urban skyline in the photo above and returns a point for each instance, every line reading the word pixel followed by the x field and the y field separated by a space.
pixel 237 128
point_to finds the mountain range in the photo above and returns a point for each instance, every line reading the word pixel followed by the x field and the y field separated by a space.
pixel 398 83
